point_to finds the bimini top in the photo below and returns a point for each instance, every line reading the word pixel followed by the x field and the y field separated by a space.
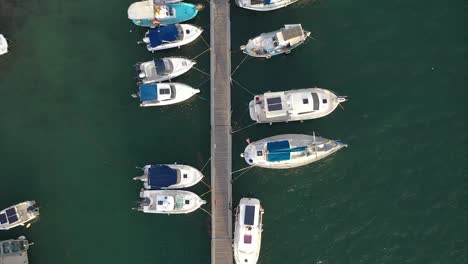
pixel 163 67
pixel 10 216
pixel 160 176
pixel 281 150
pixel 160 35
pixel 148 92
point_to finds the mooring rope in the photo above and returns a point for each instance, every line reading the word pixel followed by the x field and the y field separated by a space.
pixel 240 129
pixel 311 37
pixel 205 211
pixel 241 169
pixel 206 184
pixel 208 45
pixel 206 163
pixel 242 87
pixel 200 54
pixel 239 65
pixel 201 71
pixel 205 193
pixel 242 174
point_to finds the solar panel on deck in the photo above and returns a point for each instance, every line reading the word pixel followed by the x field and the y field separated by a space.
pixel 10 212
pixel 13 219
pixel 3 219
pixel 275 107
pixel 249 215
pixel 274 104
pixel 274 100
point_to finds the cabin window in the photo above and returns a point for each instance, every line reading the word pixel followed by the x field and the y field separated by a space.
pixel 185 176
pixel 324 101
pixel 160 202
pixel 259 153
pixel 305 101
pixel 187 201
pixel 187 31
pixel 165 91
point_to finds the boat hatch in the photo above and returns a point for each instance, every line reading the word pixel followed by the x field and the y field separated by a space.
pixel 249 216
pixel 247 239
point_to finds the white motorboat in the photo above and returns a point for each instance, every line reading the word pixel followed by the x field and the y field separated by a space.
pixel 276 42
pixel 171 36
pixel 264 5
pixel 3 45
pixel 293 105
pixel 14 251
pixel 169 176
pixel 289 151
pixel 18 215
pixel 163 69
pixel 248 231
pixel 169 202
pixel 159 94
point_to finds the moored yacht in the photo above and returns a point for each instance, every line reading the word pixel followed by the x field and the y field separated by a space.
pixel 171 36
pixel 169 202
pixel 149 13
pixel 18 215
pixel 248 231
pixel 293 105
pixel 276 42
pixel 289 151
pixel 159 94
pixel 169 176
pixel 163 69
pixel 264 5
pixel 3 45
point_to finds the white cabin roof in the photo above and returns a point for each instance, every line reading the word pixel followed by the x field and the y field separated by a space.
pixel 3 45
pixel 165 203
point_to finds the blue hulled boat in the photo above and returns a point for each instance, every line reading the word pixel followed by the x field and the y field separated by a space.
pixel 151 14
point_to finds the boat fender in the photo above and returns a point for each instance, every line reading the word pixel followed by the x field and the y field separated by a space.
pixel 268 56
pixel 242 47
pixel 199 7
pixel 288 51
pixel 142 75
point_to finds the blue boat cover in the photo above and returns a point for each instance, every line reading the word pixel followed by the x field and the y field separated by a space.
pixel 280 150
pixel 163 34
pixel 148 92
pixel 160 176
pixel 266 2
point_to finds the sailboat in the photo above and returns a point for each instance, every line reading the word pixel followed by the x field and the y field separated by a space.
pixel 169 176
pixel 293 105
pixel 150 14
pixel 3 45
pixel 276 42
pixel 248 231
pixel 264 5
pixel 18 215
pixel 289 151
pixel 169 202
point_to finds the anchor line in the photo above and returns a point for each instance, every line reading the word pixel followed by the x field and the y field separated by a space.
pixel 242 174
pixel 200 54
pixel 240 129
pixel 239 65
pixel 242 86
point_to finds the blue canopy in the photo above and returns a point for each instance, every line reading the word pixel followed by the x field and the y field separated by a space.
pixel 281 150
pixel 160 176
pixel 266 2
pixel 148 92
pixel 163 34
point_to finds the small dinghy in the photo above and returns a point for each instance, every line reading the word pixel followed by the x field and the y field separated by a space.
pixel 169 176
pixel 293 105
pixel 276 42
pixel 289 151
pixel 18 215
pixel 248 231
pixel 264 5
pixel 164 69
pixel 3 45
pixel 150 14
pixel 14 251
pixel 169 202
pixel 158 94
pixel 172 36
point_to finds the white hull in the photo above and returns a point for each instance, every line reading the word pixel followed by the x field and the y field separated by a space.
pixel 169 202
pixel 248 231
pixel 149 74
pixel 18 215
pixel 274 5
pixel 3 45
pixel 309 149
pixel 195 32
pixel 296 105
pixel 183 92
pixel 187 176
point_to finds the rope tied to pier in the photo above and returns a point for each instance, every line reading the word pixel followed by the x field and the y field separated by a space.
pixel 201 53
pixel 247 90
pixel 208 45
pixel 239 65
pixel 201 71
pixel 248 168
pixel 240 129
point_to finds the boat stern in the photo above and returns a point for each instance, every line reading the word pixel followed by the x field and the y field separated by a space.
pixel 252 111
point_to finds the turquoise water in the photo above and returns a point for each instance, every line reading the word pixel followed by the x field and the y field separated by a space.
pixel 71 135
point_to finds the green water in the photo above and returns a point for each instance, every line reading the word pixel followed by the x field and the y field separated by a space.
pixel 71 135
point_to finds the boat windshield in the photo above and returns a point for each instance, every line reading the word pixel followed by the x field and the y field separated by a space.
pixel 179 199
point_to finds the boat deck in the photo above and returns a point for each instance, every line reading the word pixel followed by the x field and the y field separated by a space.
pixel 221 149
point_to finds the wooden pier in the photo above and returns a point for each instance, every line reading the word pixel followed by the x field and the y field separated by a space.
pixel 221 146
